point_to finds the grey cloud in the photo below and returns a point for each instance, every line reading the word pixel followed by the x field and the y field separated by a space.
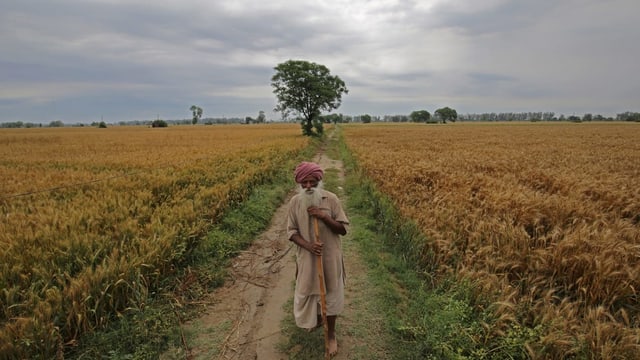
pixel 74 59
pixel 505 16
pixel 490 78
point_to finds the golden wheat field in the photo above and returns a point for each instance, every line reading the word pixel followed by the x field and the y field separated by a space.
pixel 91 218
pixel 543 218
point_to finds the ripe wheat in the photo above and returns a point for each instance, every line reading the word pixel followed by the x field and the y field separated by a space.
pixel 94 218
pixel 544 218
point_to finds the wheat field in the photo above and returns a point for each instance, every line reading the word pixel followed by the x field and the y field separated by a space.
pixel 543 219
pixel 92 219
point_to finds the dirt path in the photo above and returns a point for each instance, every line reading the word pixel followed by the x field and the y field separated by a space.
pixel 246 313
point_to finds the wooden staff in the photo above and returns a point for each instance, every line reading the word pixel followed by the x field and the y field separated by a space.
pixel 323 296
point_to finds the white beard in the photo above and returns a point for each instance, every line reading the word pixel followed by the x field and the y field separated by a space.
pixel 312 196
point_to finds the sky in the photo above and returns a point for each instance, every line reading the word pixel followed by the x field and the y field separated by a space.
pixel 123 60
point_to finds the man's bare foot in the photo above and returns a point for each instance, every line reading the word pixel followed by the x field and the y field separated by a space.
pixel 333 347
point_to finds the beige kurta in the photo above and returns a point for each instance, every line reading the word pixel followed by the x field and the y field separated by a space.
pixel 307 289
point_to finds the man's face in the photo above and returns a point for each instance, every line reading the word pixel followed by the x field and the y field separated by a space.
pixel 309 188
pixel 309 184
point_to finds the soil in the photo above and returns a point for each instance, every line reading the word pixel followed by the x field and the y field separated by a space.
pixel 245 314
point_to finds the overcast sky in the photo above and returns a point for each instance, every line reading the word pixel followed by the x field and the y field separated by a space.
pixel 121 60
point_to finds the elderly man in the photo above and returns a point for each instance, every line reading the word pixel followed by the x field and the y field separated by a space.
pixel 312 201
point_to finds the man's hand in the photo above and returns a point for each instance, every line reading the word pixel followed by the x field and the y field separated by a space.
pixel 316 212
pixel 315 248
pixel 335 226
pixel 312 247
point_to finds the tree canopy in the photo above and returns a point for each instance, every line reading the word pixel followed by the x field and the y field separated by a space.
pixel 447 113
pixel 306 89
pixel 420 116
pixel 197 113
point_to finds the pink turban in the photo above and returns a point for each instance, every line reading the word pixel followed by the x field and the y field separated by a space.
pixel 305 169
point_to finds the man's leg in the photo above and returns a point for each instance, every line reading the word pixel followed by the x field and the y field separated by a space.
pixel 333 342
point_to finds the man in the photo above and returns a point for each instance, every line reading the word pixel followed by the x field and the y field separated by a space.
pixel 312 201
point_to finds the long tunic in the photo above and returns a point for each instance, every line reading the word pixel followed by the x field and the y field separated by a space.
pixel 307 287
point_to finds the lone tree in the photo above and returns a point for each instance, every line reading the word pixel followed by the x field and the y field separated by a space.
pixel 197 114
pixel 420 116
pixel 307 88
pixel 262 118
pixel 447 113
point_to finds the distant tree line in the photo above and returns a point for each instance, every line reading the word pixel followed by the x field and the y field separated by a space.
pixel 102 124
pixel 415 116
pixel 628 116
pixel 19 124
pixel 166 123
pixel 548 116
pixel 447 114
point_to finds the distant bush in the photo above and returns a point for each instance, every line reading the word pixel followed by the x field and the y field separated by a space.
pixel 159 123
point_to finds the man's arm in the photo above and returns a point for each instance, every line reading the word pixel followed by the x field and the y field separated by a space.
pixel 335 226
pixel 312 247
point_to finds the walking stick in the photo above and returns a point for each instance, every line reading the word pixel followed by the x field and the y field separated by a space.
pixel 323 298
